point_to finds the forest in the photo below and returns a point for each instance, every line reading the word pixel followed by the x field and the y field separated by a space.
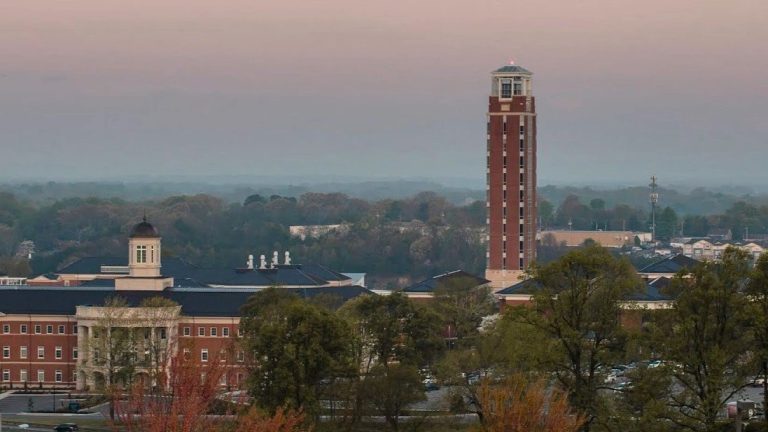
pixel 395 241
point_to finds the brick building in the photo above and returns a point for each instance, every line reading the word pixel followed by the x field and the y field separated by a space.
pixel 51 335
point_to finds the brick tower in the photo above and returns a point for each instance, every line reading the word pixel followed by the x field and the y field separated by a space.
pixel 510 176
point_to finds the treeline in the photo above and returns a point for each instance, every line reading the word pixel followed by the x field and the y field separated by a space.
pixel 408 238
pixel 743 219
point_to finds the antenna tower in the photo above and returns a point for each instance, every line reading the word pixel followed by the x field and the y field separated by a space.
pixel 654 198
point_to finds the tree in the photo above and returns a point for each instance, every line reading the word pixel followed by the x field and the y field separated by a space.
pixel 577 308
pixel 390 389
pixel 186 404
pixel 666 224
pixel 758 291
pixel 517 405
pixel 462 304
pixel 393 328
pixel 388 330
pixel 706 335
pixel 695 226
pixel 296 346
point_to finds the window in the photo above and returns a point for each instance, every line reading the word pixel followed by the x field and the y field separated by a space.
pixel 522 162
pixel 505 161
pixel 506 89
pixel 41 352
pixel 522 212
pixel 186 353
pixel 6 375
pixel 241 356
pixel 162 333
pixel 522 145
pixel 204 355
pixel 522 178
pixel 40 375
pixel 187 331
pixel 58 376
pixel 141 254
pixel 74 353
pixel 38 329
pixel 522 195
pixel 522 130
pixel 62 329
pixel 23 375
pixel 6 328
pixel 23 329
pixel 225 332
pixel 49 329
pixel 504 128
pixel 6 352
pixel 240 331
pixel 57 353
pixel 222 355
pixel 23 352
pixel 214 331
pixel 522 264
pixel 518 89
pixel 74 329
pixel 201 331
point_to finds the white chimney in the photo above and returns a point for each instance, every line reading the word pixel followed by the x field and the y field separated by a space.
pixel 262 262
pixel 274 259
pixel 287 258
pixel 250 262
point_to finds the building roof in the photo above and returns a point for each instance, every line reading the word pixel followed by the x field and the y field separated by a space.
pixel 179 269
pixel 671 265
pixel 200 302
pixel 527 286
pixel 513 69
pixel 144 229
pixel 429 285
pixel 654 291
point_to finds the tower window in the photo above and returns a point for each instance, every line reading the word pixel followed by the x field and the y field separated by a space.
pixel 506 89
pixel 518 88
pixel 141 254
pixel 505 162
pixel 522 130
pixel 522 145
pixel 522 162
pixel 504 127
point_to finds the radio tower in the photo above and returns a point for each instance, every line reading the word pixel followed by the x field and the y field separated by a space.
pixel 654 198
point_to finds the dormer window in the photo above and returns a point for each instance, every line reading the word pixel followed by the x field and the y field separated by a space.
pixel 506 89
pixel 141 254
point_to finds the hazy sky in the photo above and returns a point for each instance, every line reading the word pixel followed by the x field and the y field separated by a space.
pixel 398 88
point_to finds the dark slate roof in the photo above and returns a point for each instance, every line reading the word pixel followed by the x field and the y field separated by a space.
pixel 528 286
pixel 201 302
pixel 671 265
pixel 323 272
pixel 653 291
pixel 429 285
pixel 144 229
pixel 92 265
pixel 179 269
pixel 513 69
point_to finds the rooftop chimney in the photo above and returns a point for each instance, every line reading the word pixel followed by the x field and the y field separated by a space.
pixel 287 258
pixel 250 262
pixel 262 262
pixel 275 263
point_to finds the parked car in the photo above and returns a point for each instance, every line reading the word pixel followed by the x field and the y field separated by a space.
pixel 66 427
pixel 757 381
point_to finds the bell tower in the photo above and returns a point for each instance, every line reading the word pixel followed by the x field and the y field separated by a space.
pixel 510 176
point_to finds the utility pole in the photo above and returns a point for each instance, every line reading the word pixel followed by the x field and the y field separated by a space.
pixel 654 198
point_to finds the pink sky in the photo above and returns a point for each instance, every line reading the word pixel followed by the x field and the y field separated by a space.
pixel 379 88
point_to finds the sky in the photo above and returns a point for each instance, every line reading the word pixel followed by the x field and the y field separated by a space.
pixel 108 89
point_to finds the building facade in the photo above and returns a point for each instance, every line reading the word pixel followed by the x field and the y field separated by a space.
pixel 511 176
pixel 78 336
